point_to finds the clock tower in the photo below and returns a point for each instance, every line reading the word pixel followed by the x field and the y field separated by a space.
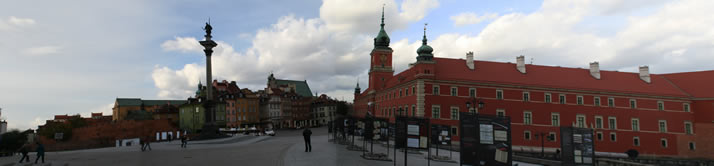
pixel 380 69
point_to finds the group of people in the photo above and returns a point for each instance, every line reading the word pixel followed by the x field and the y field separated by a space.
pixel 25 149
pixel 146 143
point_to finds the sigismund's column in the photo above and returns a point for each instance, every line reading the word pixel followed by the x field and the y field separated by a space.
pixel 208 45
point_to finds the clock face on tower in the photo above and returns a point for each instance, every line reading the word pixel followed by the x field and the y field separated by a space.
pixel 384 58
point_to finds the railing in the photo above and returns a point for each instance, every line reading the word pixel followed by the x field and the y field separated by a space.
pixel 613 162
pixel 673 161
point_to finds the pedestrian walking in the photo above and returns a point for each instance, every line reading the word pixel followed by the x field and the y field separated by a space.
pixel 183 141
pixel 40 152
pixel 306 134
pixel 147 143
pixel 24 149
pixel 142 141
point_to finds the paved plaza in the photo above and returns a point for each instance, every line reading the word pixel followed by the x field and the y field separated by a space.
pixel 284 149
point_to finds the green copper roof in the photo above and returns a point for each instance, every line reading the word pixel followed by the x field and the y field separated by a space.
pixel 138 102
pixel 129 101
pixel 425 51
pixel 382 39
pixel 301 87
pixel 161 102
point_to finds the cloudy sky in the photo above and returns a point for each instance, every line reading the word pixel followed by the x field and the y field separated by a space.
pixel 69 58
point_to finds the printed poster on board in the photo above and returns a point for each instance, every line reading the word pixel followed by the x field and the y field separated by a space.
pixel 486 133
pixel 500 135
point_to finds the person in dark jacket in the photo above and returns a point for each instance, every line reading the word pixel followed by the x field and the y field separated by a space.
pixel 24 149
pixel 40 152
pixel 306 134
pixel 147 143
pixel 183 141
pixel 142 141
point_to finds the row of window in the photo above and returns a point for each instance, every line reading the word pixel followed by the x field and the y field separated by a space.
pixel 551 136
pixel 612 122
pixel 561 98
pixel 388 112
pixel 396 93
pixel 596 101
pixel 239 118
pixel 233 104
pixel 322 114
pixel 233 112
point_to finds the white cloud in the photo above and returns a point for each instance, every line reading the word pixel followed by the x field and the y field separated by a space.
pixel 15 23
pixel 35 122
pixel 182 44
pixel 105 109
pixel 350 16
pixel 414 10
pixel 177 84
pixel 468 18
pixel 43 50
pixel 21 21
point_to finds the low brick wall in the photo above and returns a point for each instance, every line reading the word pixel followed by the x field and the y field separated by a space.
pixel 104 134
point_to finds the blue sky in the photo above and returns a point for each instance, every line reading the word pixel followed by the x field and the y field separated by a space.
pixel 69 58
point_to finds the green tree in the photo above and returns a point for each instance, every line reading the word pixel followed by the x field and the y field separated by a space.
pixel 77 122
pixel 50 129
pixel 13 140
pixel 342 108
pixel 139 115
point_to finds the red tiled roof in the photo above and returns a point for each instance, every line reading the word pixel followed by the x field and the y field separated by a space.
pixel 697 84
pixel 553 77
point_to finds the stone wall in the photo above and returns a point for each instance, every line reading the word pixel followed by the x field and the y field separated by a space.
pixel 105 134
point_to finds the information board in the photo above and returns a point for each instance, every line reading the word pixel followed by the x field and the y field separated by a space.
pixel 578 146
pixel 485 140
pixel 440 135
pixel 411 132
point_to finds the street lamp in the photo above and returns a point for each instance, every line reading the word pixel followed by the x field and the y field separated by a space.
pixel 370 108
pixel 480 103
pixel 542 136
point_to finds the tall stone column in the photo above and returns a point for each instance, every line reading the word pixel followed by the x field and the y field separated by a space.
pixel 208 46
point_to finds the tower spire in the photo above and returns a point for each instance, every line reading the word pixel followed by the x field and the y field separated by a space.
pixel 425 51
pixel 423 41
pixel 357 89
pixel 382 39
pixel 382 16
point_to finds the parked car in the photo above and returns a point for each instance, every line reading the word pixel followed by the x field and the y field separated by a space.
pixel 270 132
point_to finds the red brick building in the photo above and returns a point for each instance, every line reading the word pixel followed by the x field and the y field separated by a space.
pixel 656 114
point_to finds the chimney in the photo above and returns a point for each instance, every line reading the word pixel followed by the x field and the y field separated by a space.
pixel 521 64
pixel 595 70
pixel 470 60
pixel 645 74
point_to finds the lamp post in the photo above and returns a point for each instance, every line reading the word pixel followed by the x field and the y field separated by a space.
pixel 370 119
pixel 480 105
pixel 541 136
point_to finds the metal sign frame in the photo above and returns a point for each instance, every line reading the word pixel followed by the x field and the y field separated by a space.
pixel 578 146
pixel 485 140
